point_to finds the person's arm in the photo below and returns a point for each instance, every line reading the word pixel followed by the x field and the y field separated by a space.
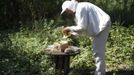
pixel 81 22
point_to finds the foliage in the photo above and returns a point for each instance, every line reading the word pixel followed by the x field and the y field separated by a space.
pixel 22 53
pixel 117 9
pixel 14 13
pixel 120 47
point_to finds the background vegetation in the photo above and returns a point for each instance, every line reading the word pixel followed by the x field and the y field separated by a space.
pixel 14 13
pixel 27 27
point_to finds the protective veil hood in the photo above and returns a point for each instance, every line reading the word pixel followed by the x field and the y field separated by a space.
pixel 70 5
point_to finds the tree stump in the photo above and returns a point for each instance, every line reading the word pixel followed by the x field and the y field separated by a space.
pixel 61 60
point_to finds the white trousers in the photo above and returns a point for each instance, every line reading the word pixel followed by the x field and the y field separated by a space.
pixel 99 44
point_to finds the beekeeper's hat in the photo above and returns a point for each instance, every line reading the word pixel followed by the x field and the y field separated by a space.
pixel 70 5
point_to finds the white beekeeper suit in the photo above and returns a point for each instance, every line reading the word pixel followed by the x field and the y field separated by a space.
pixel 94 22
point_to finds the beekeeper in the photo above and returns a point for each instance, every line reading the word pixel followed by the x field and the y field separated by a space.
pixel 92 21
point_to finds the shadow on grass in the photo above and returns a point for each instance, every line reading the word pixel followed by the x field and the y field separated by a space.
pixel 85 71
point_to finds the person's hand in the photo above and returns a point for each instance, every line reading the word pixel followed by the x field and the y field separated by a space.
pixel 66 31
